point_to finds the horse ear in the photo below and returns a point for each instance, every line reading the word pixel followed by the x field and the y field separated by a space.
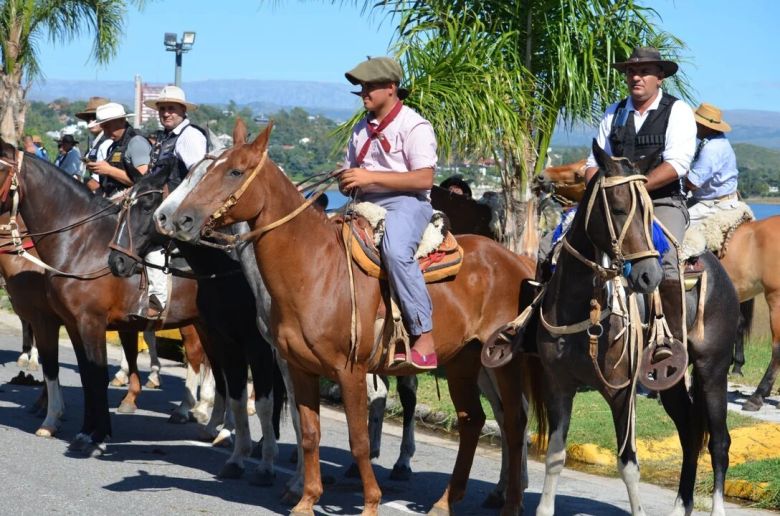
pixel 605 161
pixel 239 132
pixel 261 142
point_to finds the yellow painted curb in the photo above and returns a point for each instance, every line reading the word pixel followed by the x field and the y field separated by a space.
pixel 112 337
pixel 738 488
pixel 591 454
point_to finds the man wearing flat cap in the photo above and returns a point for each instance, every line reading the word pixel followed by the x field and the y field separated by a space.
pixel 712 179
pixel 652 121
pixel 390 161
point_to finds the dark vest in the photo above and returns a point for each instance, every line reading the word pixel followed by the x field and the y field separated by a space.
pixel 117 157
pixel 164 155
pixel 627 143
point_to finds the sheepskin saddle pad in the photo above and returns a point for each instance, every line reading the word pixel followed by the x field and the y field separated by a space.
pixel 714 232
pixel 438 254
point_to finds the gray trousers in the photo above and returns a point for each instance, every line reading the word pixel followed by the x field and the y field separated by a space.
pixel 405 222
pixel 673 214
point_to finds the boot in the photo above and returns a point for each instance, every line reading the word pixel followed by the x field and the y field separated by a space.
pixel 671 303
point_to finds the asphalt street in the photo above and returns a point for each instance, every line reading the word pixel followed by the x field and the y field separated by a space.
pixel 152 467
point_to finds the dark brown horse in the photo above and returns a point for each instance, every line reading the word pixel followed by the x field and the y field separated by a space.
pixel 575 342
pixel 73 229
pixel 304 266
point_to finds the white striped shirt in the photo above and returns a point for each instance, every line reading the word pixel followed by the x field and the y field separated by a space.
pixel 190 146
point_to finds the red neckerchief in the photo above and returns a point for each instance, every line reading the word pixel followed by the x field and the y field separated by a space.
pixel 376 133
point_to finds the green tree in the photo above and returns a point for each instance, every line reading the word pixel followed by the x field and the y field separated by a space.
pixel 23 23
pixel 494 77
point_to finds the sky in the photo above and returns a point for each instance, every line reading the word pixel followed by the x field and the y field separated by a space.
pixel 731 60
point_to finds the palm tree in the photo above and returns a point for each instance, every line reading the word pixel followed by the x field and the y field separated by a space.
pixel 495 77
pixel 23 23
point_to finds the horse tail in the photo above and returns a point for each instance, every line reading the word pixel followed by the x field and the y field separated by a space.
pixel 280 398
pixel 700 412
pixel 533 377
pixel 743 334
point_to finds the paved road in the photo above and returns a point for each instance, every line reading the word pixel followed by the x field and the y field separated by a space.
pixel 156 468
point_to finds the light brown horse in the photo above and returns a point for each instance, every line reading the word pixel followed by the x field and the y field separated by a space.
pixel 304 266
pixel 752 261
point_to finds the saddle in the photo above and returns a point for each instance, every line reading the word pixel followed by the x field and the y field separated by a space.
pixel 439 255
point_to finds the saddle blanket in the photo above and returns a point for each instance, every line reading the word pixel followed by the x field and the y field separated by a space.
pixel 713 233
pixel 438 254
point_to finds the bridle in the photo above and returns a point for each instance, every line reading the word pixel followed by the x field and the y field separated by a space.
pixel 619 258
pixel 123 221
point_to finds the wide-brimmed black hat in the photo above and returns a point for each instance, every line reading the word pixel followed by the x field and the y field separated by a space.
pixel 68 138
pixel 645 55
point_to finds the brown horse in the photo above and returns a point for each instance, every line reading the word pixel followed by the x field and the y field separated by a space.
pixel 73 229
pixel 304 266
pixel 752 261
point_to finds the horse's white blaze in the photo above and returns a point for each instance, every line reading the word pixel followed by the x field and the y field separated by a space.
pixel 243 444
pixel 55 408
pixel 630 474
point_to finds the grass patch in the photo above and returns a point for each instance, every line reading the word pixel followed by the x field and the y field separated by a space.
pixel 758 353
pixel 762 472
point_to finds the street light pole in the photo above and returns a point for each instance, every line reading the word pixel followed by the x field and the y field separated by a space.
pixel 172 44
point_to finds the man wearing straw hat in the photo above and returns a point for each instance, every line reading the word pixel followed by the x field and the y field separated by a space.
pixel 652 122
pixel 127 159
pixel 98 148
pixel 181 144
pixel 712 179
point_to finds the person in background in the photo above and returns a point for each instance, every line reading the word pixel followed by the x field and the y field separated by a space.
pixel 390 161
pixel 69 157
pixel 712 179
pixel 29 146
pixel 99 144
pixel 457 185
pixel 41 152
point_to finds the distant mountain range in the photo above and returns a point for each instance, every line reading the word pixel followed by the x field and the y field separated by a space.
pixel 335 101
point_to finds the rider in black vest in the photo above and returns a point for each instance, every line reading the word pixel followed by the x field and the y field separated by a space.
pixel 164 154
pixel 666 127
pixel 127 158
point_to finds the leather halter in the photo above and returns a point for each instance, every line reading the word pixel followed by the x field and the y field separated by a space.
pixel 638 193
pixel 124 221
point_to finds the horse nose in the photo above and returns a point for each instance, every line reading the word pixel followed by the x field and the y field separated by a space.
pixel 161 221
pixel 117 264
pixel 185 223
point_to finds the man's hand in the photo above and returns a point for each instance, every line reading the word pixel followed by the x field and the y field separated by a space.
pixel 354 178
pixel 100 167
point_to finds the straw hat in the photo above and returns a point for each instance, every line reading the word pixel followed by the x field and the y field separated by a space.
pixel 110 111
pixel 92 104
pixel 171 94
pixel 642 55
pixel 712 117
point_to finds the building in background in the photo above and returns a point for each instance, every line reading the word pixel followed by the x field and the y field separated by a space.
pixel 144 92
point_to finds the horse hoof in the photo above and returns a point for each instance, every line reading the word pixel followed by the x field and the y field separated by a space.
pixel 151 384
pixel 126 408
pixel 223 439
pixel 23 361
pixel 45 432
pixel 178 419
pixel 262 478
pixel 401 472
pixel 737 371
pixel 352 471
pixel 32 366
pixel 438 511
pixel 94 450
pixel 753 404
pixel 117 382
pixel 494 500
pixel 230 471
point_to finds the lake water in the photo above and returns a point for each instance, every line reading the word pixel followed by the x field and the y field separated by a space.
pixel 336 200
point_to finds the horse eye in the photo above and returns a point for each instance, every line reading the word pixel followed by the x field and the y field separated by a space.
pixel 236 173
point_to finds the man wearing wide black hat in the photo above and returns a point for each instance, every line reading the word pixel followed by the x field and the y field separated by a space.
pixel 69 158
pixel 648 121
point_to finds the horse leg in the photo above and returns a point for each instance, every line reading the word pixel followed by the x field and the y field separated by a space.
pixel 129 341
pixel 27 344
pixel 709 392
pixel 34 363
pixel 193 357
pixel 293 490
pixel 514 424
pixel 489 388
pixel 353 391
pixel 764 388
pixel 559 406
pixel 462 375
pixel 627 464
pixel 47 333
pixel 261 362
pixel 376 387
pixel 307 394
pixel 153 381
pixel 407 392
pixel 236 375
pixel 122 377
pixel 678 405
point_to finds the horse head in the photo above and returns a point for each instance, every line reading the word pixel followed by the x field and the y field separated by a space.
pixel 135 233
pixel 619 220
pixel 211 194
